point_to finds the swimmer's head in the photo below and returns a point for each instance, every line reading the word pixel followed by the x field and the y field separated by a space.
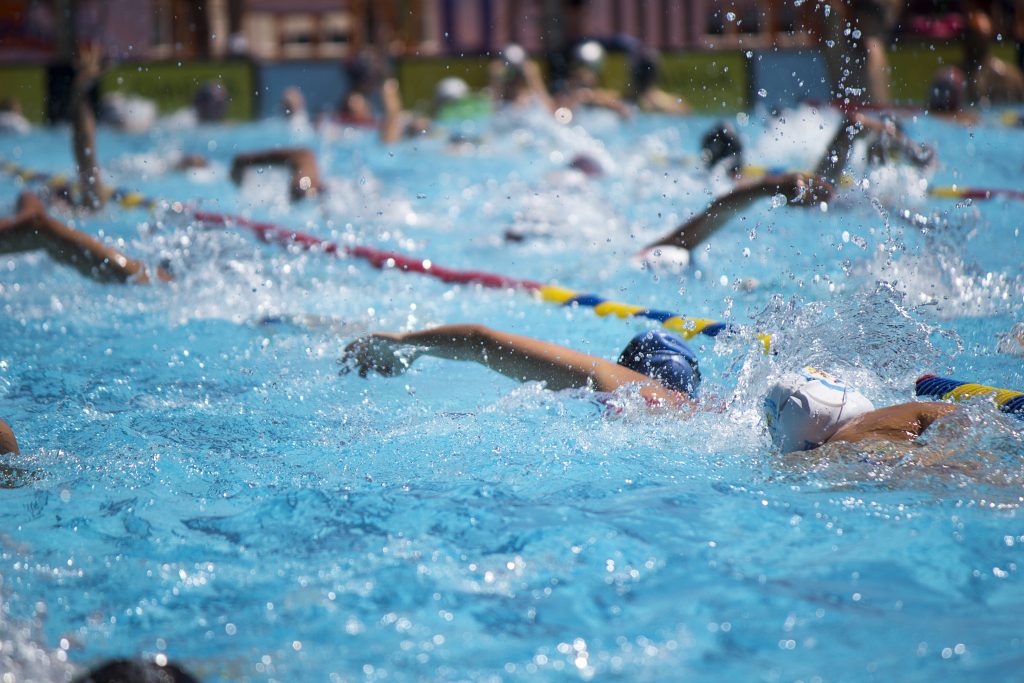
pixel 589 56
pixel 643 71
pixel 587 165
pixel 211 102
pixel 449 91
pixel 11 104
pixel 366 71
pixel 722 142
pixel 293 102
pixel 947 91
pixel 663 356
pixel 804 409
pixel 515 57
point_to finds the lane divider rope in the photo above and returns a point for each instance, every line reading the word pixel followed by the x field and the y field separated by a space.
pixel 686 326
pixel 956 390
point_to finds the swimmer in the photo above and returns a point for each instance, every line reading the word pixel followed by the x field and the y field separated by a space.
pixel 8 444
pixel 947 94
pixel 642 88
pixel 811 408
pixel 800 189
pixel 11 477
pixel 210 102
pixel 135 671
pixel 990 80
pixel 129 113
pixel 399 123
pixel 660 363
pixel 32 229
pixel 582 88
pixel 722 143
pixel 516 80
pixel 293 103
pixel 301 161
pixel 11 118
pixel 886 142
pixel 366 74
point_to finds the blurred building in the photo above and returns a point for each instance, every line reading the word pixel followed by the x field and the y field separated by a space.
pixel 45 30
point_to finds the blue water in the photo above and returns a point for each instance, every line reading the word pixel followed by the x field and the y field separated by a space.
pixel 209 489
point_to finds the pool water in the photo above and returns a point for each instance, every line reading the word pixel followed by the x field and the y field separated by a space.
pixel 207 488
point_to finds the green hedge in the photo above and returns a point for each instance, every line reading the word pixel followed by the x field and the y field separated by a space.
pixel 417 77
pixel 914 64
pixel 172 85
pixel 28 84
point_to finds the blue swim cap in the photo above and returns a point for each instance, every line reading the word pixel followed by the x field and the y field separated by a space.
pixel 665 357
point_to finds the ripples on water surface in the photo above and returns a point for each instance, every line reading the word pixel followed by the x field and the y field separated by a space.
pixel 207 487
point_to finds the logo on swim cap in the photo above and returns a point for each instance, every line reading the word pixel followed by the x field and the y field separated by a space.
pixel 804 409
pixel 665 357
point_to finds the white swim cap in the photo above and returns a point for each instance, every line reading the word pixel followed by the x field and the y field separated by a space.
pixel 514 55
pixel 128 112
pixel 590 55
pixel 666 258
pixel 804 409
pixel 451 89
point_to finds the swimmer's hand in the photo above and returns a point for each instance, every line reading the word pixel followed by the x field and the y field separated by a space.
pixel 384 352
pixel 800 189
pixel 30 207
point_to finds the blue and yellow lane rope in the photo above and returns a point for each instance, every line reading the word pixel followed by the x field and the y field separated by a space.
pixel 129 199
pixel 950 389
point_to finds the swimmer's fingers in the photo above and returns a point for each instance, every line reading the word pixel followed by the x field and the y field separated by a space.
pixel 803 189
pixel 376 352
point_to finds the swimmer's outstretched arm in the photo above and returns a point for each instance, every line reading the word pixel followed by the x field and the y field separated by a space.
pixel 801 189
pixel 515 356
pixel 31 228
pixel 305 181
pixel 602 99
pixel 902 422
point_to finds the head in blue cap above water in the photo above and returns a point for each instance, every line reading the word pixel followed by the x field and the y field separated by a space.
pixel 665 357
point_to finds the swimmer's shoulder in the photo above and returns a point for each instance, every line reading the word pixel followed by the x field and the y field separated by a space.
pixel 901 422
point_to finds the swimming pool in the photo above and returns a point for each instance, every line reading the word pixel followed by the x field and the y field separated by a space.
pixel 211 490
